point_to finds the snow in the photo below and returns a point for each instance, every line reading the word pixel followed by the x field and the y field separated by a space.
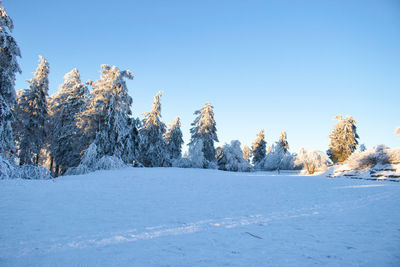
pixel 198 217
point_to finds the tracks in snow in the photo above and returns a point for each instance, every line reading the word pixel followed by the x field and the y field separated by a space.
pixel 132 235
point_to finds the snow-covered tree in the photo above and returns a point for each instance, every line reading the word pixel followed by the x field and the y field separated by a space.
pixel 204 129
pixel 343 139
pixel 230 158
pixel 131 142
pixel 65 108
pixel 258 149
pixel 108 111
pixel 312 161
pixel 174 140
pixel 9 52
pixel 283 143
pixel 278 156
pixel 246 153
pixel 196 154
pixel 32 115
pixel 153 148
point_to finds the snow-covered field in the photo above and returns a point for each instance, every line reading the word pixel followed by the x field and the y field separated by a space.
pixel 196 217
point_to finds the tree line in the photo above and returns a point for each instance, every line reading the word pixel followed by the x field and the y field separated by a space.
pixel 88 126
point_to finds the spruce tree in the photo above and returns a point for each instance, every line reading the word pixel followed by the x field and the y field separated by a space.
pixel 107 115
pixel 153 148
pixel 174 140
pixel 283 143
pixel 343 139
pixel 66 107
pixel 32 114
pixel 259 148
pixel 204 129
pixel 9 52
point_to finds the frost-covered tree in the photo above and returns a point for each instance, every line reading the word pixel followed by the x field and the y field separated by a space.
pixel 9 52
pixel 278 156
pixel 196 154
pixel 204 129
pixel 108 111
pixel 312 161
pixel 32 115
pixel 283 143
pixel 66 107
pixel 258 148
pixel 246 153
pixel 174 140
pixel 153 148
pixel 230 158
pixel 343 139
pixel 131 142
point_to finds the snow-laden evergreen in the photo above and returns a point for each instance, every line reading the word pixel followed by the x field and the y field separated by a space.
pixel 174 139
pixel 9 52
pixel 278 156
pixel 204 129
pixel 196 154
pixel 258 149
pixel 66 108
pixel 32 116
pixel 108 111
pixel 153 148
pixel 230 158
pixel 246 153
pixel 343 139
pixel 312 161
pixel 131 142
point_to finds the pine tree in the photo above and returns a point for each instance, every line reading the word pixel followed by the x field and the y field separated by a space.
pixel 66 108
pixel 131 142
pixel 204 128
pixel 153 148
pixel 107 115
pixel 9 52
pixel 246 153
pixel 343 139
pixel 283 143
pixel 259 148
pixel 32 113
pixel 174 140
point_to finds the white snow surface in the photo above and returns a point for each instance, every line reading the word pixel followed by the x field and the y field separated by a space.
pixel 197 217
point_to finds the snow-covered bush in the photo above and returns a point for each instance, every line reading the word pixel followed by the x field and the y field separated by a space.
pixel 91 162
pixel 181 163
pixel 380 155
pixel 312 161
pixel 230 158
pixel 8 170
pixel 34 172
pixel 277 159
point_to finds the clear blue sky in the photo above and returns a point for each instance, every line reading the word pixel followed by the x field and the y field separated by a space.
pixel 278 65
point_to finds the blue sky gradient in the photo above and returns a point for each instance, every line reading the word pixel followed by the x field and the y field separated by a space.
pixel 277 65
